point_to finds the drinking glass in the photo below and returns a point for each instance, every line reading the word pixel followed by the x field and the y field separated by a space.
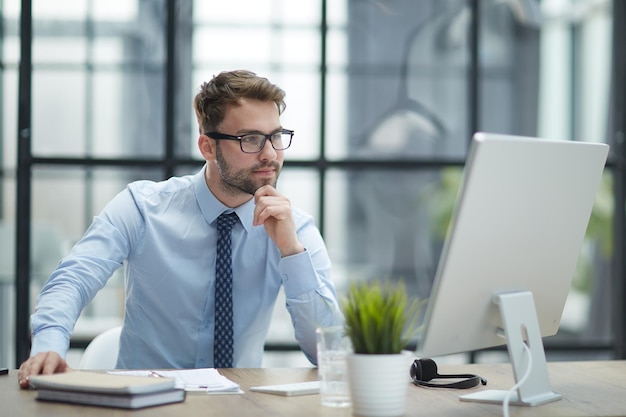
pixel 333 345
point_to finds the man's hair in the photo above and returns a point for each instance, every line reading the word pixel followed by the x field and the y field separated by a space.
pixel 227 89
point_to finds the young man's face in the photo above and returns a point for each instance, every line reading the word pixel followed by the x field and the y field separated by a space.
pixel 245 172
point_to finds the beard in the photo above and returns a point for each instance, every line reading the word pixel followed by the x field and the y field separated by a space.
pixel 241 181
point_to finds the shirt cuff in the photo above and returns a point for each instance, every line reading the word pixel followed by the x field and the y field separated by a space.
pixel 298 275
pixel 50 340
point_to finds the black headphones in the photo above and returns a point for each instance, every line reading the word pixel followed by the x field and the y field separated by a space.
pixel 424 370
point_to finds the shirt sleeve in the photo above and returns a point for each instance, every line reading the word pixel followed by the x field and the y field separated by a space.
pixel 310 294
pixel 80 275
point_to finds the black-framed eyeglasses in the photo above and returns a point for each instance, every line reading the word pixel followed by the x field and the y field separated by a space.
pixel 254 142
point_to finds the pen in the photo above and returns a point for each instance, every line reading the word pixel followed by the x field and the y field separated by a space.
pixel 4 371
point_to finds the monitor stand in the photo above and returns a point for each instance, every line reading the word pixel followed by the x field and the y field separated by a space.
pixel 519 318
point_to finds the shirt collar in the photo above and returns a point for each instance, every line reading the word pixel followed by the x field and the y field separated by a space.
pixel 211 207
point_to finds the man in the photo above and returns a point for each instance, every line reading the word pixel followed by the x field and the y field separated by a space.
pixel 166 234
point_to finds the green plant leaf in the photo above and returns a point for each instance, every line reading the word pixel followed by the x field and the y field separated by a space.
pixel 380 319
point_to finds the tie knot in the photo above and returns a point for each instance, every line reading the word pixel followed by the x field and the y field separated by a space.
pixel 226 221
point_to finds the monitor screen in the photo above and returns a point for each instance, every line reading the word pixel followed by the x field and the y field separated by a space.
pixel 519 223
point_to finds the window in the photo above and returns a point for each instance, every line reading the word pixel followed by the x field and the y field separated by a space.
pixel 383 99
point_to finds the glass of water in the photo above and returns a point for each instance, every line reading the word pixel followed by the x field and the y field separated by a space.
pixel 333 345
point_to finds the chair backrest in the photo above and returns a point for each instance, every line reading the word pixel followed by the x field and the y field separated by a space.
pixel 102 351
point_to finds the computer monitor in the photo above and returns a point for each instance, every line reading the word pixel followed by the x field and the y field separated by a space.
pixel 508 261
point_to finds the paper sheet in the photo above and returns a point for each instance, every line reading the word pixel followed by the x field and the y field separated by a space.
pixel 192 380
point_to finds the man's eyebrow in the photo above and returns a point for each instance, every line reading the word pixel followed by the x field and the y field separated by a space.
pixel 256 131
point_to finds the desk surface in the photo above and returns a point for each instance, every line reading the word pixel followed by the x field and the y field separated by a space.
pixel 595 388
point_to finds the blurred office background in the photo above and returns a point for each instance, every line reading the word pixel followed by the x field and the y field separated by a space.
pixel 383 95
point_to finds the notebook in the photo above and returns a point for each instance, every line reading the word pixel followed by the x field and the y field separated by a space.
pixel 119 391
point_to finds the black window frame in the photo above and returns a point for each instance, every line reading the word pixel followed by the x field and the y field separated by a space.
pixel 170 161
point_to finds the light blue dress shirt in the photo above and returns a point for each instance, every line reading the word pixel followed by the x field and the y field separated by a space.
pixel 165 234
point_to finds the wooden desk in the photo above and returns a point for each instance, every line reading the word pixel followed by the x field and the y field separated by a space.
pixel 588 388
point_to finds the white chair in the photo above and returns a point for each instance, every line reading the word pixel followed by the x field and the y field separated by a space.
pixel 102 351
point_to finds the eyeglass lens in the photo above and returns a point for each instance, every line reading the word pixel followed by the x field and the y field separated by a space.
pixel 254 143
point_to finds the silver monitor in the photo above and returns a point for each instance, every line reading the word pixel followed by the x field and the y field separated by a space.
pixel 511 252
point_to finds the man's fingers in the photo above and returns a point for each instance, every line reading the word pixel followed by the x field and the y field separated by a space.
pixel 53 364
pixel 278 208
pixel 32 366
pixel 265 191
pixel 41 363
pixel 273 211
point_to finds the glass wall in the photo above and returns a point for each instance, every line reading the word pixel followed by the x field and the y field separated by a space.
pixel 383 97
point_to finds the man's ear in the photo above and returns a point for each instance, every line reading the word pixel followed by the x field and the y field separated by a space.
pixel 206 145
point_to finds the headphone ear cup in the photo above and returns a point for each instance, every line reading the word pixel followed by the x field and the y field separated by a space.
pixel 424 369
pixel 429 369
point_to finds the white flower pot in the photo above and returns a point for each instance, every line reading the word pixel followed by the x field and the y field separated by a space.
pixel 379 383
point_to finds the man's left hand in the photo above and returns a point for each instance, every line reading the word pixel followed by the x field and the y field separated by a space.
pixel 273 211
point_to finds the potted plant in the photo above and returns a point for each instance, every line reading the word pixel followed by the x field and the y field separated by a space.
pixel 380 322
